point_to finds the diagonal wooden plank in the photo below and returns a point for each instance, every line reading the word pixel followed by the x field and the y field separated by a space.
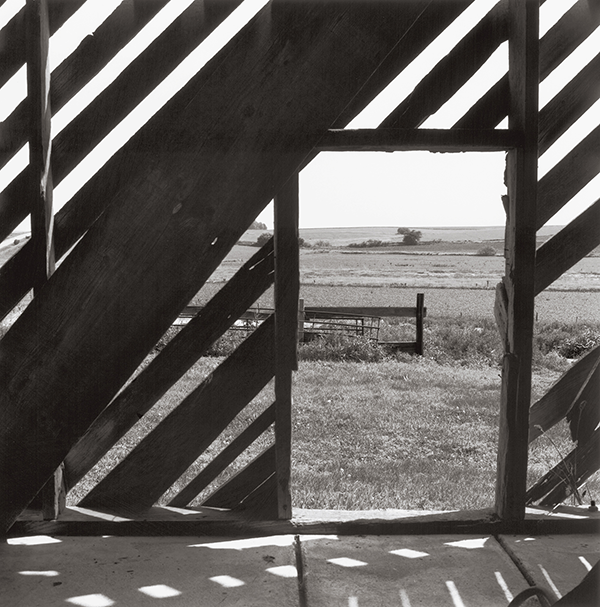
pixel 573 470
pixel 244 482
pixel 567 247
pixel 558 43
pixel 180 354
pixel 452 71
pixel 568 177
pixel 226 457
pixel 116 102
pixel 561 397
pixel 137 482
pixel 569 104
pixel 166 230
pixel 262 502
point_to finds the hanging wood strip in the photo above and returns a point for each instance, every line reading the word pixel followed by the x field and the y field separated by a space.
pixel 226 457
pixel 521 181
pixel 567 247
pixel 559 399
pixel 180 354
pixel 568 177
pixel 165 454
pixel 241 484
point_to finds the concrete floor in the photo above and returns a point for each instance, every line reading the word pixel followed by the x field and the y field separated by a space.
pixel 349 571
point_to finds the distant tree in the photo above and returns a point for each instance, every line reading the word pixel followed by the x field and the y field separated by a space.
pixel 411 237
pixel 486 251
pixel 258 225
pixel 262 239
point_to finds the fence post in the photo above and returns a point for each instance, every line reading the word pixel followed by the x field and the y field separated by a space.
pixel 301 317
pixel 419 316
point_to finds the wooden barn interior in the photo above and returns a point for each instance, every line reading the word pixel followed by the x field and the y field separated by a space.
pixel 113 268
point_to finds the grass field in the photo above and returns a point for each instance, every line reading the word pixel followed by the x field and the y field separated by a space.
pixel 399 432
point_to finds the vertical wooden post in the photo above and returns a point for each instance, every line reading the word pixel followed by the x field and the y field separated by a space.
pixel 300 320
pixel 287 289
pixel 419 322
pixel 518 282
pixel 52 496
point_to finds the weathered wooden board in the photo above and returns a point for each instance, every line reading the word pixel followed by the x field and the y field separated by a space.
pixel 567 247
pixel 124 94
pixel 226 457
pixel 164 233
pixel 410 139
pixel 137 482
pixel 452 71
pixel 555 404
pixel 387 312
pixel 241 484
pixel 568 176
pixel 261 504
pixel 521 181
pixel 287 293
pixel 244 288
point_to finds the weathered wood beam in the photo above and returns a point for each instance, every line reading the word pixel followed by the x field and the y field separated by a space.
pixel 287 293
pixel 52 496
pixel 452 71
pixel 179 355
pixel 226 457
pixel 568 177
pixel 40 142
pixel 569 104
pixel 246 480
pixel 167 228
pixel 520 246
pixel 137 482
pixel 567 247
pixel 432 140
pixel 563 395
pixel 122 96
pixel 260 504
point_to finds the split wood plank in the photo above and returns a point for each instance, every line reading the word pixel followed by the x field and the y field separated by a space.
pixel 568 177
pixel 562 396
pixel 452 71
pixel 520 245
pixel 569 104
pixel 137 482
pixel 241 484
pixel 287 293
pixel 572 471
pixel 226 457
pixel 179 355
pixel 164 232
pixel 118 100
pixel 567 247
pixel 432 140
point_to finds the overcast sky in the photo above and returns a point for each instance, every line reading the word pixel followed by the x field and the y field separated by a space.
pixel 339 189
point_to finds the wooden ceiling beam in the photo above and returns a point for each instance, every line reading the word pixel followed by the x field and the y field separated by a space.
pixel 432 140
